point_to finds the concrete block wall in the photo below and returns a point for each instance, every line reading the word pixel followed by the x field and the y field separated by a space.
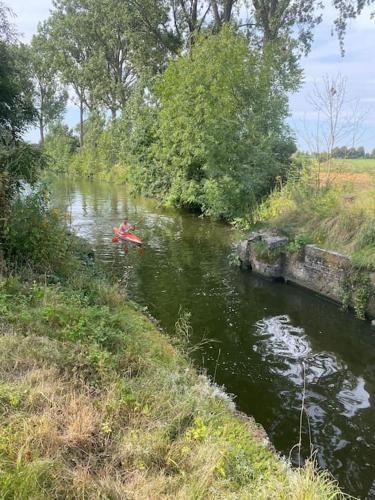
pixel 322 271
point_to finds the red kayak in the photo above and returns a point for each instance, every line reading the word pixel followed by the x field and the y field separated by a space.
pixel 127 237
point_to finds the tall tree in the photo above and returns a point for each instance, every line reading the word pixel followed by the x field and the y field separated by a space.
pixel 101 46
pixel 222 11
pixel 286 24
pixel 50 96
pixel 7 29
pixel 112 70
pixel 153 33
pixel 221 139
pixel 69 36
pixel 17 110
pixel 189 16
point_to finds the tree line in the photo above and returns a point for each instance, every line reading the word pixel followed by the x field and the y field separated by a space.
pixel 190 97
pixel 99 48
pixel 344 152
pixel 351 152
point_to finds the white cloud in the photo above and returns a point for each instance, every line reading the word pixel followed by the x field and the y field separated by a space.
pixel 28 14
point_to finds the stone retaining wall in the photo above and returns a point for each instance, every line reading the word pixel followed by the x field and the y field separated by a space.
pixel 319 270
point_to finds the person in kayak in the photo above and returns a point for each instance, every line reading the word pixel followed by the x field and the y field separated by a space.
pixel 126 226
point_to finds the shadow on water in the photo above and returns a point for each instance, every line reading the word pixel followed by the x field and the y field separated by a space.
pixel 270 339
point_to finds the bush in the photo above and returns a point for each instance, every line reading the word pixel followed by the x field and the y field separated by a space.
pixel 35 235
pixel 100 155
pixel 87 161
pixel 136 132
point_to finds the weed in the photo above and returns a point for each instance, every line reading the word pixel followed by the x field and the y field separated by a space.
pixel 264 253
pixel 298 243
pixel 183 328
pixel 233 258
pixel 356 291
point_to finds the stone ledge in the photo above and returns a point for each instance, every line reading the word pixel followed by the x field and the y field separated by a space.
pixel 314 268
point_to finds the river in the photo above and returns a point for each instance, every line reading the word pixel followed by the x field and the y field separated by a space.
pixel 273 346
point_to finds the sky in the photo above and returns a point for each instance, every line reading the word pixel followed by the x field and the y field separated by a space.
pixel 357 66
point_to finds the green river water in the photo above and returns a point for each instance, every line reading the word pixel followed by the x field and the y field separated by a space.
pixel 263 341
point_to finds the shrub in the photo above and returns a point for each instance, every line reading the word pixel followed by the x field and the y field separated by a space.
pixel 35 235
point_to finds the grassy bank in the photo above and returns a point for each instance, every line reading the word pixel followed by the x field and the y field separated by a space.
pixel 332 207
pixel 97 403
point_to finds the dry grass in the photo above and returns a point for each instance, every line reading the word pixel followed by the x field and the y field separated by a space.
pixel 357 174
pixel 352 180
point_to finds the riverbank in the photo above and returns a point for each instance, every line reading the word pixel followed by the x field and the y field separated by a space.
pixel 97 402
pixel 317 231
pixel 325 206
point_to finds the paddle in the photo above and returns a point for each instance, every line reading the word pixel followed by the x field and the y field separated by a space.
pixel 116 239
pixel 139 222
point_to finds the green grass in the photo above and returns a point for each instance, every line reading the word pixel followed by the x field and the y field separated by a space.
pixel 95 402
pixel 358 165
pixel 338 216
pixel 266 254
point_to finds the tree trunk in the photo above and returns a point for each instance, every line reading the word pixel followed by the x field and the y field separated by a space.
pixel 41 121
pixel 81 123
pixel 41 129
pixel 223 16
pixel 216 13
pixel 227 13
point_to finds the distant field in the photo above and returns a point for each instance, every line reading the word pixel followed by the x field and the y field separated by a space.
pixel 360 165
pixel 359 172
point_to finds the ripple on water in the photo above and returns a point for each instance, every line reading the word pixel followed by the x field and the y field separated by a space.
pixel 354 398
pixel 335 397
pixel 288 351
